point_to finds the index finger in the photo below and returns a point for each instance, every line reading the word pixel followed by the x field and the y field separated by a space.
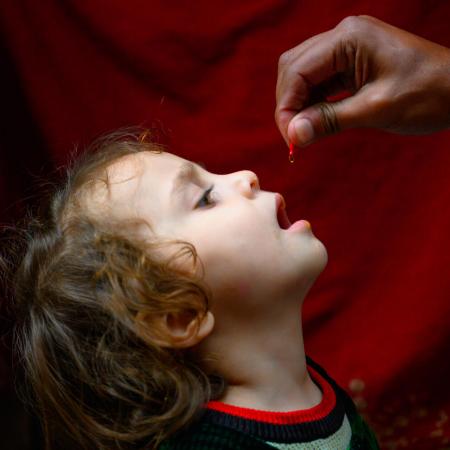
pixel 305 66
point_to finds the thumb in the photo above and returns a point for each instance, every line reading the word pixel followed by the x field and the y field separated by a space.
pixel 325 118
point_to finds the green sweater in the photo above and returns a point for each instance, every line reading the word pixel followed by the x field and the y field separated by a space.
pixel 334 424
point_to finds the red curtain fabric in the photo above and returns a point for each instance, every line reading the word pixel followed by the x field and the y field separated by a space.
pixel 204 73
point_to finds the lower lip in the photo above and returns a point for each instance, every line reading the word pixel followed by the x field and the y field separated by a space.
pixel 300 225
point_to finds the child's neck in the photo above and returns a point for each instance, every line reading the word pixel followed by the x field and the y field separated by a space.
pixel 267 370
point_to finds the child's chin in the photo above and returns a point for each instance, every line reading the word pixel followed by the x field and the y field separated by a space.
pixel 318 259
pixel 322 255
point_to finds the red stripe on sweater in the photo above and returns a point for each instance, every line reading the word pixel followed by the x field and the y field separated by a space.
pixel 317 412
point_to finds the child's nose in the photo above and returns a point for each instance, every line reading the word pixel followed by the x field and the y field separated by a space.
pixel 247 182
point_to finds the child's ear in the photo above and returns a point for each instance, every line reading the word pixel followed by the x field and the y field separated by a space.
pixel 182 330
pixel 188 329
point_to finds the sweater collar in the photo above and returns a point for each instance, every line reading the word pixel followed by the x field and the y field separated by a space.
pixel 293 426
pixel 317 412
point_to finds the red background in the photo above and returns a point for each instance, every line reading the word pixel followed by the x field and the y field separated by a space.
pixel 205 73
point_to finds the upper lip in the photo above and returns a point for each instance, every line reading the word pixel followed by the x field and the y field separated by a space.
pixel 279 201
pixel 281 215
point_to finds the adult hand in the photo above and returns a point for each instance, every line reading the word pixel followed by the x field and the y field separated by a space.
pixel 397 82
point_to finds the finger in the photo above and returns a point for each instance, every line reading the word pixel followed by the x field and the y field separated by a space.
pixel 302 88
pixel 340 86
pixel 331 54
pixel 287 57
pixel 325 118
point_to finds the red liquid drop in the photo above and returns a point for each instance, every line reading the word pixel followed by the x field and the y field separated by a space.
pixel 291 152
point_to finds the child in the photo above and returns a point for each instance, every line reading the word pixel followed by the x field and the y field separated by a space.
pixel 159 307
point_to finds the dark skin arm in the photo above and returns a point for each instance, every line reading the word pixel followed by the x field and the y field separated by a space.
pixel 396 81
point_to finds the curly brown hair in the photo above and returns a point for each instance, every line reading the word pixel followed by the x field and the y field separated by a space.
pixel 96 377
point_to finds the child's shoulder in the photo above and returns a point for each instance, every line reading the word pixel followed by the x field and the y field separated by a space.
pixel 362 435
pixel 209 436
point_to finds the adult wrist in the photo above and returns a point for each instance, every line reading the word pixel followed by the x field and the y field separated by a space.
pixel 444 83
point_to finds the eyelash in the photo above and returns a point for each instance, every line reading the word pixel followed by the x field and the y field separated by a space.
pixel 205 195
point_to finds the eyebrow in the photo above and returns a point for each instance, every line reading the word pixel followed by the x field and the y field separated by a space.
pixel 185 172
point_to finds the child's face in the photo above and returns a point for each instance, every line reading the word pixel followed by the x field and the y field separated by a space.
pixel 249 260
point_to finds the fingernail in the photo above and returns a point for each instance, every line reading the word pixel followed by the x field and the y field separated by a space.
pixel 304 130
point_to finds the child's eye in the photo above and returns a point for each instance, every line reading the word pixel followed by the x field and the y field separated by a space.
pixel 205 197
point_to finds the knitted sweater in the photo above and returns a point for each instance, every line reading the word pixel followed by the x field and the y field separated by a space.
pixel 334 424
